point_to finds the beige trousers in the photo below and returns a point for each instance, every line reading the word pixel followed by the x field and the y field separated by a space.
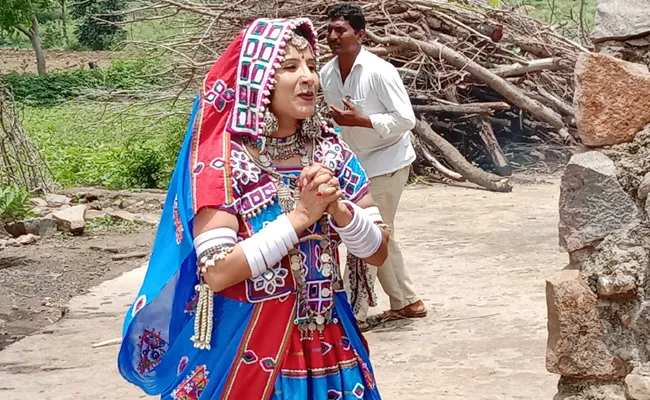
pixel 386 190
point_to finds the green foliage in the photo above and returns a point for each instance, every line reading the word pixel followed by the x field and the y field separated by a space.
pixel 14 204
pixel 142 166
pixel 106 222
pixel 114 147
pixel 96 30
pixel 57 87
pixel 565 13
pixel 51 35
pixel 20 12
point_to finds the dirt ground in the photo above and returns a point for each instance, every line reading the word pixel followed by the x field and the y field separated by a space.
pixel 37 281
pixel 479 260
pixel 19 60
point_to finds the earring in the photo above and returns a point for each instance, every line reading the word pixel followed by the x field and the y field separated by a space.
pixel 269 124
pixel 311 127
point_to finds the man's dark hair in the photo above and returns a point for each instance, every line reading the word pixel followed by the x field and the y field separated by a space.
pixel 351 13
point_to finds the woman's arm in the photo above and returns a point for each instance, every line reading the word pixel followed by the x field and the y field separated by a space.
pixel 368 232
pixel 235 267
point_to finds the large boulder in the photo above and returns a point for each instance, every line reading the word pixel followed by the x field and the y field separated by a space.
pixel 621 19
pixel 576 347
pixel 43 227
pixel 612 99
pixel 579 389
pixel 71 219
pixel 638 386
pixel 592 202
pixel 56 200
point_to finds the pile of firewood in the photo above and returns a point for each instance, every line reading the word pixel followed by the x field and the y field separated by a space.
pixel 494 83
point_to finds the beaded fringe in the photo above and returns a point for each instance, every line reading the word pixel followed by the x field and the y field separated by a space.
pixel 203 317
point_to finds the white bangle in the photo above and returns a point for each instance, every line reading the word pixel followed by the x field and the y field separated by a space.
pixel 361 236
pixel 374 214
pixel 269 246
pixel 214 238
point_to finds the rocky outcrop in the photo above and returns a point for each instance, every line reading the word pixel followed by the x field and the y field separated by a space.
pixel 576 344
pixel 71 219
pixel 621 19
pixel 599 307
pixel 611 101
pixel 592 202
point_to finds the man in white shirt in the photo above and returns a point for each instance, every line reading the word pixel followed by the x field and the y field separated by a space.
pixel 370 105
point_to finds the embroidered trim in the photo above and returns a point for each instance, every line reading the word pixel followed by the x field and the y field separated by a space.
pixel 152 347
pixel 177 222
pixel 182 364
pixel 367 376
pixel 262 48
pixel 273 284
pixel 267 364
pixel 190 307
pixel 358 391
pixel 139 304
pixel 219 95
pixel 192 387
pixel 316 372
pixel 249 357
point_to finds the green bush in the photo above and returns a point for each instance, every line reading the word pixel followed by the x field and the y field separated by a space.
pixel 564 14
pixel 52 36
pixel 142 166
pixel 56 87
pixel 93 33
pixel 14 204
pixel 108 146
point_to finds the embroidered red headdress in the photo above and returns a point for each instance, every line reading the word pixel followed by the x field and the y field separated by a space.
pixel 233 99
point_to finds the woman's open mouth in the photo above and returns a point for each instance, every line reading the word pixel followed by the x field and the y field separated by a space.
pixel 307 96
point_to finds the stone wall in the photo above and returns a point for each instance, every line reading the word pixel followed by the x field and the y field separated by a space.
pixel 599 305
pixel 622 29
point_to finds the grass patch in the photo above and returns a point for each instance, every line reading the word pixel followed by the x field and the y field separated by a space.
pixel 107 222
pixel 113 146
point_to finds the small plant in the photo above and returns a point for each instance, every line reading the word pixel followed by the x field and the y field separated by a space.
pixel 107 222
pixel 14 204
pixel 142 166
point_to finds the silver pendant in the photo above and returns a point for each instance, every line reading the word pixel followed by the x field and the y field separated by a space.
pixel 265 160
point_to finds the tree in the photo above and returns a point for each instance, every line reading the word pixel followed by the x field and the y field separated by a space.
pixel 22 16
pixel 98 29
pixel 64 20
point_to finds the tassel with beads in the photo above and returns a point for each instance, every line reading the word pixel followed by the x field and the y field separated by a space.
pixel 203 316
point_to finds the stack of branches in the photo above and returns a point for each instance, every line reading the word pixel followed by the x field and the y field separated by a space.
pixel 21 164
pixel 496 84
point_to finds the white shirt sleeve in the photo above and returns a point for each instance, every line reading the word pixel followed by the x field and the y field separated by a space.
pixel 392 94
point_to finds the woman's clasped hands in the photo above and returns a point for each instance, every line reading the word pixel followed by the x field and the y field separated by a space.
pixel 319 194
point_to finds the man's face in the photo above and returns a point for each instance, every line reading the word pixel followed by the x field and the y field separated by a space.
pixel 342 39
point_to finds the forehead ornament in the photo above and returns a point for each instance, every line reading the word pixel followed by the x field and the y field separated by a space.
pixel 299 42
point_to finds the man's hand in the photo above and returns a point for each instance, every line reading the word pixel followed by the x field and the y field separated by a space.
pixel 350 117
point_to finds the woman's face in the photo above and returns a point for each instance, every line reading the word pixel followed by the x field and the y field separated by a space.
pixel 297 84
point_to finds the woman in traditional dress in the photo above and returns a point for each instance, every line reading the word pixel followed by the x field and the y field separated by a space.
pixel 243 296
